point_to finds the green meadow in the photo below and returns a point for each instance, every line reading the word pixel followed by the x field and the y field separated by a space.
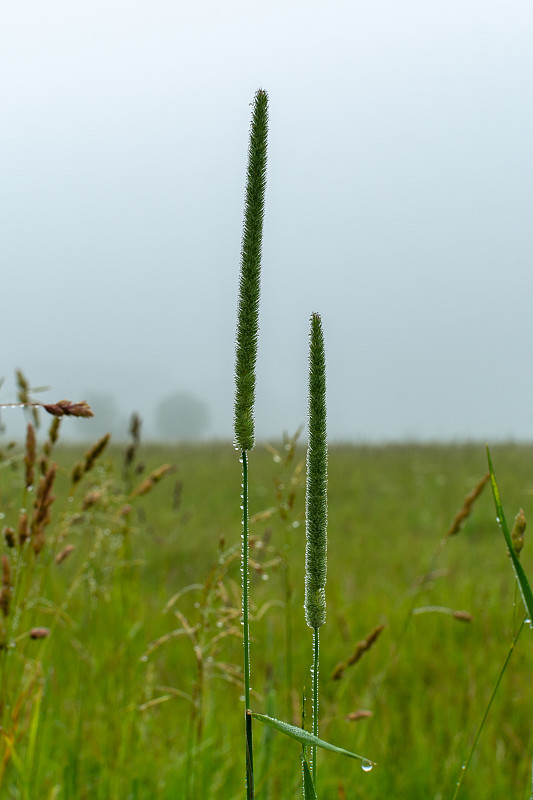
pixel 121 651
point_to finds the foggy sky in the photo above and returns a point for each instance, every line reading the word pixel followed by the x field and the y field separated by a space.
pixel 398 206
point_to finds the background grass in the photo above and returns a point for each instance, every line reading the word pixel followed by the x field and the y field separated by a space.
pixel 111 724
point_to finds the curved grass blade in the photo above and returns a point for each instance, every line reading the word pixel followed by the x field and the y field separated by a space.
pixel 523 583
pixel 309 789
pixel 306 738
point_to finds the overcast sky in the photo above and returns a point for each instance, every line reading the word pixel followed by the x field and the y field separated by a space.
pixel 398 207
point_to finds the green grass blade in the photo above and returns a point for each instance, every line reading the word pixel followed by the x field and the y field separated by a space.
pixel 306 738
pixel 523 583
pixel 309 789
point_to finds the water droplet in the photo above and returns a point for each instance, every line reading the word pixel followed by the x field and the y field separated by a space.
pixel 366 766
pixel 264 576
pixel 144 658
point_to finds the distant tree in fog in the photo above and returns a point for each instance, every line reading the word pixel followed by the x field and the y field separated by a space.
pixel 181 416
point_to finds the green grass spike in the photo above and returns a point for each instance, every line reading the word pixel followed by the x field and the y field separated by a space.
pixel 249 286
pixel 316 507
pixel 316 498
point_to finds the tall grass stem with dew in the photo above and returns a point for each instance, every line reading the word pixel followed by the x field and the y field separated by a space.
pixel 245 361
pixel 316 507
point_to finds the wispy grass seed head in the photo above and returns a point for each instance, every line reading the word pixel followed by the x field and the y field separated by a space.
pixel 316 498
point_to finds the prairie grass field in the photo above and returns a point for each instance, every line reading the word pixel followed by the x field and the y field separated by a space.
pixel 136 690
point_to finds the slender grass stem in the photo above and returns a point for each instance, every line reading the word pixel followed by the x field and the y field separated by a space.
pixel 316 652
pixel 288 637
pixel 465 766
pixel 246 629
pixel 245 579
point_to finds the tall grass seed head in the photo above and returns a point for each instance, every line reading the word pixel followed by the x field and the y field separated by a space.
pixel 316 496
pixel 250 277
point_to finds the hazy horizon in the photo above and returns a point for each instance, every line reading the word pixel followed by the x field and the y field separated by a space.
pixel 397 206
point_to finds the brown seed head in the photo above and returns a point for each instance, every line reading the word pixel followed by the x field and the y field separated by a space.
pixel 29 457
pixel 90 499
pixel 353 716
pixel 39 633
pixel 135 427
pixel 6 571
pixel 519 529
pixel 96 450
pixel 6 589
pixel 53 435
pixel 360 648
pixel 462 616
pixel 65 552
pixel 338 672
pixel 5 600
pixel 9 536
pixel 65 408
pixel 151 480
pixel 77 472
pixel 23 531
pixel 365 644
pixel 41 512
pixel 466 508
pixel 125 510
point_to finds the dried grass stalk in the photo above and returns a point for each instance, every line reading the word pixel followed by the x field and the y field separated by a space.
pixel 9 536
pixel 6 588
pixel 39 633
pixel 362 713
pixel 466 508
pixel 29 456
pixel 66 408
pixel 361 648
pixel 23 529
pixel 65 552
pixel 81 468
pixel 149 482
pixel 41 512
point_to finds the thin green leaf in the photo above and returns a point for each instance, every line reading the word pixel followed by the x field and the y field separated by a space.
pixel 306 738
pixel 523 583
pixel 309 789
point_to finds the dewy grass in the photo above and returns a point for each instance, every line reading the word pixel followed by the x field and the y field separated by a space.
pixel 245 362
pixel 514 540
pixel 514 552
pixel 316 507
